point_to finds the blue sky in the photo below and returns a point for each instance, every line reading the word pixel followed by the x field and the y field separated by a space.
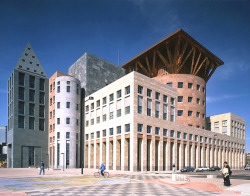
pixel 60 31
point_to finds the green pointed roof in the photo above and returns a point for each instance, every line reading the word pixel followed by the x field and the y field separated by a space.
pixel 28 61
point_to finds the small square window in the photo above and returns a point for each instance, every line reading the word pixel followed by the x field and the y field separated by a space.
pixel 180 98
pixel 190 113
pixel 170 84
pixel 180 112
pixel 190 85
pixel 198 87
pixel 180 84
pixel 68 82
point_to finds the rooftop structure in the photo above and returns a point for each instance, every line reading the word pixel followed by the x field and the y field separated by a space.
pixel 177 53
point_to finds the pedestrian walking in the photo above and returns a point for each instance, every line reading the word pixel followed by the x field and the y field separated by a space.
pixel 173 167
pixel 226 172
pixel 102 168
pixel 42 168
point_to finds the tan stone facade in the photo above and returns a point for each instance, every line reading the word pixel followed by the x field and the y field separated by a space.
pixel 136 130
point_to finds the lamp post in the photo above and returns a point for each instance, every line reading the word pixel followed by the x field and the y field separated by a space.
pixel 63 160
pixel 82 125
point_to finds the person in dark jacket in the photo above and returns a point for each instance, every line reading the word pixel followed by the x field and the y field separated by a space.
pixel 42 168
pixel 102 168
pixel 226 172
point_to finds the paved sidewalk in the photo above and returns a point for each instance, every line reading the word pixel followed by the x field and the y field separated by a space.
pixel 23 182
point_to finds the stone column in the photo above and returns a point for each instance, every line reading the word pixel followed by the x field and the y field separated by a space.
pixel 161 153
pixel 188 155
pixel 118 154
pixel 182 155
pixel 168 155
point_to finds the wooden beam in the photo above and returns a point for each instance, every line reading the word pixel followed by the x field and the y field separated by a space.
pixel 177 50
pixel 164 61
pixel 136 66
pixel 183 51
pixel 171 60
pixel 200 66
pixel 192 66
pixel 196 63
pixel 185 60
pixel 206 68
pixel 148 65
pixel 143 68
pixel 154 58
pixel 211 73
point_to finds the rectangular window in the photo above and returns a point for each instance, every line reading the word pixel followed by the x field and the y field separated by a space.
pixel 127 128
pixel 149 107
pixel 210 140
pixel 190 113
pixel 87 108
pixel 111 97
pixel 67 135
pixel 58 135
pixel 165 99
pixel 104 113
pixel 32 96
pixel 157 109
pixel 127 90
pixel 224 127
pixel 68 82
pixel 172 100
pixel 178 134
pixel 140 89
pixel 201 138
pixel 58 105
pixel 190 136
pixel 127 105
pixel 104 133
pixel 157 130
pixel 92 106
pixel 172 133
pixel 216 127
pixel 67 104
pixel 196 138
pixel 172 113
pixel 20 107
pixel 184 136
pixel 92 117
pixel 98 134
pixel 68 88
pixel 149 92
pixel 118 130
pixel 149 129
pixel 139 127
pixel 198 87
pixel 77 122
pixel 205 139
pixel 31 123
pixel 98 114
pixel 98 103
pixel 32 82
pixel 157 95
pixel 58 89
pixel 21 79
pixel 32 109
pixel 77 106
pixel 165 132
pixel 140 102
pixel 42 84
pixel 170 84
pixel 111 131
pixel 190 99
pixel 87 136
pixel 118 94
pixel 111 111
pixel 180 84
pixel 180 112
pixel 197 114
pixel 92 136
pixel 104 100
pixel 190 85
pixel 165 109
pixel 118 106
pixel 58 121
pixel 67 121
pixel 197 101
pixel 180 98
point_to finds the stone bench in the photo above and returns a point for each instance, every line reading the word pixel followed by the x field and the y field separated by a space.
pixel 211 176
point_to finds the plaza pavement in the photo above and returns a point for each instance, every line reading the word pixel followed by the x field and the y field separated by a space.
pixel 27 181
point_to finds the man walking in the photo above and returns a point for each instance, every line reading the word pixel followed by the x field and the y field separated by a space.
pixel 173 168
pixel 226 172
pixel 42 168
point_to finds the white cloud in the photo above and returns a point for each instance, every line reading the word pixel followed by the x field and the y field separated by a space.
pixel 222 98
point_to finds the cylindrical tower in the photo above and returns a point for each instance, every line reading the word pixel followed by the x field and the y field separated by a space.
pixel 191 100
pixel 67 122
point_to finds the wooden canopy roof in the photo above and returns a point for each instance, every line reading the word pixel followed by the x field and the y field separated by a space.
pixel 177 53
